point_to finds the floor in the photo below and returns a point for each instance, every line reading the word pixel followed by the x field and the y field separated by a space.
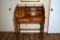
pixel 28 36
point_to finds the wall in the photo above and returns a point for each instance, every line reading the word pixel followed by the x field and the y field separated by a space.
pixel 46 5
pixel 0 11
pixel 47 10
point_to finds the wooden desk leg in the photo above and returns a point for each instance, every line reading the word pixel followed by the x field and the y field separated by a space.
pixel 42 31
pixel 17 30
pixel 19 27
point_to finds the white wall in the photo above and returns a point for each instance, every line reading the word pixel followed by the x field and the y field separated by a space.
pixel 46 5
pixel 0 10
pixel 47 10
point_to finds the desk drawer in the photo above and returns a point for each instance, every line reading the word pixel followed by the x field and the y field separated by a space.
pixel 23 20
pixel 30 20
pixel 36 19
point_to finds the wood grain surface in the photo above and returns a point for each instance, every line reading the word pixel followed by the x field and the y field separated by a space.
pixel 28 36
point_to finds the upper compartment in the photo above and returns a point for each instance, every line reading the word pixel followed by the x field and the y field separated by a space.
pixel 29 11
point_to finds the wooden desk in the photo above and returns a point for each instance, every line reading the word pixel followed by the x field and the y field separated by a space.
pixel 29 14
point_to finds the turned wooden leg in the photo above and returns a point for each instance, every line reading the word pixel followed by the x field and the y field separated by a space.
pixel 17 30
pixel 42 31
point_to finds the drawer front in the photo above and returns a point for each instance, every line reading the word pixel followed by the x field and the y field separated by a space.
pixel 36 19
pixel 40 9
pixel 30 20
pixel 33 9
pixel 23 20
pixel 20 15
